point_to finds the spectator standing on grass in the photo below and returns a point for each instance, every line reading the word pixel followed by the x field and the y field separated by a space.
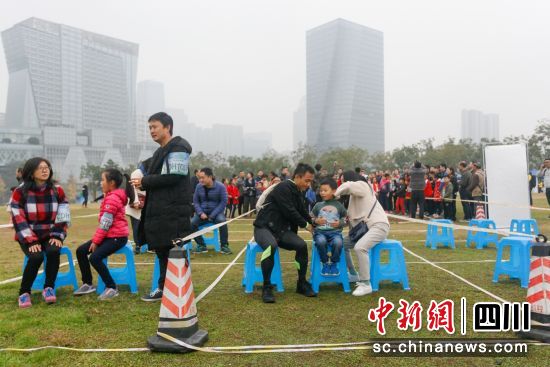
pixel 447 196
pixel 249 193
pixel 110 236
pixel 544 174
pixel 85 196
pixel 210 200
pixel 284 173
pixel 452 176
pixel 232 197
pixel 240 185
pixel 417 185
pixel 168 185
pixel 465 180
pixel 276 226
pixel 40 216
pixel 477 185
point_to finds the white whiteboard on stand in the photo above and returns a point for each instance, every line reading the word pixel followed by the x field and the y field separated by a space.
pixel 507 183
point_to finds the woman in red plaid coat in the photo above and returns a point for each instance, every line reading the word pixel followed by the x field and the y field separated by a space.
pixel 40 214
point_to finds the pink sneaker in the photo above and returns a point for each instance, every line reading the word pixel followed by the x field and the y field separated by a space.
pixel 25 300
pixel 49 295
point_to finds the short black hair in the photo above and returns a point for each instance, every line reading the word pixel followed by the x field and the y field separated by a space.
pixel 330 182
pixel 165 119
pixel 417 164
pixel 463 164
pixel 302 168
pixel 318 167
pixel 443 165
pixel 207 171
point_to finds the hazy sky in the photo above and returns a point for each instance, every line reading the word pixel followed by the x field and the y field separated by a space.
pixel 243 61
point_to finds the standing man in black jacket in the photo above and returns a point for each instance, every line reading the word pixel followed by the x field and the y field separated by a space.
pixel 277 223
pixel 166 214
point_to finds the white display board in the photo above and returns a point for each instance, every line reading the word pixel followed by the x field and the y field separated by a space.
pixel 507 183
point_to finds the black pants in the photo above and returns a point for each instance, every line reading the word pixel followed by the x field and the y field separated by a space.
pixel 34 262
pixel 135 231
pixel 466 206
pixel 447 210
pixel 240 205
pixel 108 247
pixel 163 255
pixel 289 241
pixel 417 199
pixel 548 195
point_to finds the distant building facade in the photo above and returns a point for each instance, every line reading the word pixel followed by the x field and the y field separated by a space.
pixel 477 125
pixel 345 86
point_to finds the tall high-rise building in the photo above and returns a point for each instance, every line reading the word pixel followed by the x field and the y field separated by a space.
pixel 300 125
pixel 345 86
pixel 476 126
pixel 64 76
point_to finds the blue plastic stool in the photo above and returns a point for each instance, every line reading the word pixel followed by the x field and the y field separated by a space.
pixel 526 226
pixel 156 270
pixel 317 278
pixel 63 277
pixel 481 239
pixel 211 238
pixel 253 274
pixel 395 270
pixel 144 249
pixel 124 275
pixel 434 236
pixel 518 266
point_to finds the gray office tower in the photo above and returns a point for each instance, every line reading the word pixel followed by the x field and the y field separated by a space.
pixel 64 76
pixel 345 86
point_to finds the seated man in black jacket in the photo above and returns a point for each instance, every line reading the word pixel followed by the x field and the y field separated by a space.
pixel 277 223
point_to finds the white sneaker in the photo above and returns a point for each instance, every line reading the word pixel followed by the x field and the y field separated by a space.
pixel 362 289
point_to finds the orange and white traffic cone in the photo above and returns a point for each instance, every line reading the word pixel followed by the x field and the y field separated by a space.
pixel 480 211
pixel 178 311
pixel 538 293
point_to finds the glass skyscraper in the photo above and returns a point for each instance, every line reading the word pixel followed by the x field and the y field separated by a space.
pixel 345 86
pixel 64 76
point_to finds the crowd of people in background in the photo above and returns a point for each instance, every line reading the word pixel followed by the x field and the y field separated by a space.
pixel 416 191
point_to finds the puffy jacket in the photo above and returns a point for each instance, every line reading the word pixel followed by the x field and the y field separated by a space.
pixel 112 217
pixel 232 194
pixel 210 201
pixel 428 189
pixel 361 201
pixel 284 209
pixel 417 178
pixel 438 187
pixel 167 210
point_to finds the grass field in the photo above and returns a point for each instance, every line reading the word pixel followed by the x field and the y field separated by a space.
pixel 235 318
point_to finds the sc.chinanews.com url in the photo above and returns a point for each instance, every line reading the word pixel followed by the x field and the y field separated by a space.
pixel 449 348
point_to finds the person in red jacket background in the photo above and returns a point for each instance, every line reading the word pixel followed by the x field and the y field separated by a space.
pixel 110 236
pixel 232 197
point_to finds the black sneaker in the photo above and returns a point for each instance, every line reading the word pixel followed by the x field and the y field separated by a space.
pixel 200 249
pixel 154 296
pixel 226 250
pixel 304 288
pixel 267 294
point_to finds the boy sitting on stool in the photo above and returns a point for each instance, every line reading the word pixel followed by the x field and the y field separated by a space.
pixel 329 219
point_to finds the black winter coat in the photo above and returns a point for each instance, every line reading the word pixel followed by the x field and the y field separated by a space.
pixel 284 210
pixel 167 210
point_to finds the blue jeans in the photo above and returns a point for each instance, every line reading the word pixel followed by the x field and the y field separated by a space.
pixel 324 239
pixel 196 221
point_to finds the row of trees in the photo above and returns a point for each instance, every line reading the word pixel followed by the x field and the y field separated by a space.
pixel 450 151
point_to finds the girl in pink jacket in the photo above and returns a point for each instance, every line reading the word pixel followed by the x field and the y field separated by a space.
pixel 110 236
